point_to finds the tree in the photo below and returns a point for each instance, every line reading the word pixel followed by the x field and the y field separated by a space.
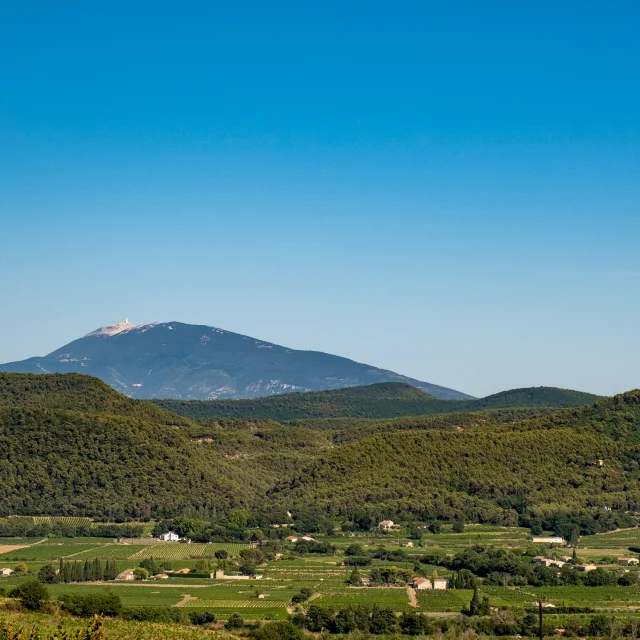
pixel 47 574
pixel 355 577
pixel 435 527
pixel 574 537
pixel 221 554
pixel 354 549
pixel 383 620
pixel 474 605
pixel 32 594
pixel 21 567
pixel 140 573
pixel 235 621
pixel 458 526
pixel 414 624
pixel 281 630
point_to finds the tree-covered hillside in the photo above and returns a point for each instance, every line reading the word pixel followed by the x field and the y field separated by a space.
pixel 533 397
pixel 119 458
pixel 384 400
pixel 76 392
pixel 69 463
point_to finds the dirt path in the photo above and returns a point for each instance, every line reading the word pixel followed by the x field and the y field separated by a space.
pixel 78 553
pixel 185 598
pixel 606 533
pixel 413 601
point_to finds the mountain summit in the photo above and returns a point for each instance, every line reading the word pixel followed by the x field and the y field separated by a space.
pixel 176 360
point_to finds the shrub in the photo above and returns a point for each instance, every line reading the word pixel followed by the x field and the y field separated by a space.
pixel 85 606
pixel 32 594
pixel 202 617
pixel 235 621
pixel 282 630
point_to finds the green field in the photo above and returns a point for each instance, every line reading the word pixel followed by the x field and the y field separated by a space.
pixel 323 574
pixel 180 551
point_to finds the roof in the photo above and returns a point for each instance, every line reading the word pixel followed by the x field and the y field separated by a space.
pixel 386 522
pixel 126 572
pixel 420 580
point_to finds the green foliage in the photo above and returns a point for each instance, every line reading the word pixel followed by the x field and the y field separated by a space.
pixel 91 604
pixel 32 594
pixel 281 630
pixel 94 631
pixel 76 392
pixel 383 400
pixel 235 621
pixel 55 461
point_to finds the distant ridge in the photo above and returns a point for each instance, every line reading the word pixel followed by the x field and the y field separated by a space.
pixel 177 360
pixel 382 400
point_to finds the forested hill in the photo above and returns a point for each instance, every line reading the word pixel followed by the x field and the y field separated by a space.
pixel 70 463
pixel 384 400
pixel 76 392
pixel 69 446
pixel 532 397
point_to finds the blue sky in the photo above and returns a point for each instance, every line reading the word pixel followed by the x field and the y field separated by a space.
pixel 447 189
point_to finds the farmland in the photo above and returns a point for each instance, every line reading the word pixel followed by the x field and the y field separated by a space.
pixel 177 551
pixel 324 574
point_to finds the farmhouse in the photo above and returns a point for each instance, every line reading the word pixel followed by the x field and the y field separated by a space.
pixel 307 539
pixel 422 583
pixel 548 562
pixel 585 567
pixel 183 571
pixel 365 582
pixel 548 540
pixel 627 562
pixel 170 536
pixel 220 575
pixel 386 525
pixel 6 571
pixel 127 574
pixel 161 576
pixel 440 583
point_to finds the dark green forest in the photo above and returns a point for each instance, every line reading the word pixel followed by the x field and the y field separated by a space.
pixel 383 400
pixel 70 445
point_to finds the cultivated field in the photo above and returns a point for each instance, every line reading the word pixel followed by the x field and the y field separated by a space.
pixel 323 574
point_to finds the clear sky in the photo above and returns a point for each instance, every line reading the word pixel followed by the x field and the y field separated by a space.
pixel 447 189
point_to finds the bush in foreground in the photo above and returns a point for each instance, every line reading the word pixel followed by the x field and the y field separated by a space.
pixel 282 630
pixel 32 594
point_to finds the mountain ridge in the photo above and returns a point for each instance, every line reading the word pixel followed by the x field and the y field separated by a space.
pixel 380 400
pixel 178 360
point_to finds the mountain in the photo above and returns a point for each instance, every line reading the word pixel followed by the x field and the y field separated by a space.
pixel 381 400
pixel 176 360
pixel 69 445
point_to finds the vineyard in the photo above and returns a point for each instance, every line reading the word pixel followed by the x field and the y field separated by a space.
pixel 235 604
pixel 452 600
pixel 180 551
pixel 62 520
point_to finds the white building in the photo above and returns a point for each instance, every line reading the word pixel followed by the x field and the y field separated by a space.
pixel 386 525
pixel 6 572
pixel 440 583
pixel 422 583
pixel 170 536
pixel 548 540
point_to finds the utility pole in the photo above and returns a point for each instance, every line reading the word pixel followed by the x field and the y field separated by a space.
pixel 540 618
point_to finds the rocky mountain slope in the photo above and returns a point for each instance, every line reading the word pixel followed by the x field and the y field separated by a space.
pixel 176 360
